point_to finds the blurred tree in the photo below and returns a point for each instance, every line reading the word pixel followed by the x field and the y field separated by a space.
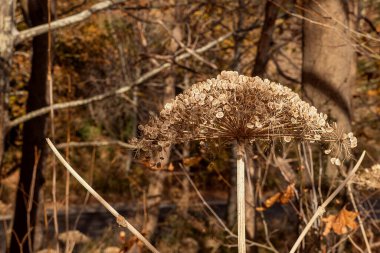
pixel 6 51
pixel 329 59
pixel 264 45
pixel 34 133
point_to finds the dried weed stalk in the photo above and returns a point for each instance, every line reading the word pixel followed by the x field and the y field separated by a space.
pixel 240 109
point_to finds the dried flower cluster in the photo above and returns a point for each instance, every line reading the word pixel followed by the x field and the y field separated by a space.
pixel 236 107
pixel 368 178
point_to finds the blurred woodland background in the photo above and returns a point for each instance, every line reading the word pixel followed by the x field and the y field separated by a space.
pixel 87 73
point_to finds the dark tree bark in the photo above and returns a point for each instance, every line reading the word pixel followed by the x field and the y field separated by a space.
pixel 329 59
pixel 33 136
pixel 265 41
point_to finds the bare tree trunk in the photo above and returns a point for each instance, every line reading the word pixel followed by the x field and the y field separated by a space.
pixel 6 51
pixel 329 60
pixel 34 133
pixel 265 41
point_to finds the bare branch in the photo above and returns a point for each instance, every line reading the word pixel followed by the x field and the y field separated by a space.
pixel 85 144
pixel 189 50
pixel 143 78
pixel 38 30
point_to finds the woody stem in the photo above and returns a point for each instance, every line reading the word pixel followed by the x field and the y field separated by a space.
pixel 240 154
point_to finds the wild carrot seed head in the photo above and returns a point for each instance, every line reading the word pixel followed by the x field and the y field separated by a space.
pixel 236 107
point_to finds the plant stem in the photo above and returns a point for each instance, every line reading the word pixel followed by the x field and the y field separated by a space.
pixel 321 209
pixel 240 184
pixel 359 218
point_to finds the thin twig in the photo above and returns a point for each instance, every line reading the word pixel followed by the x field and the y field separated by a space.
pixel 87 144
pixel 119 219
pixel 189 50
pixel 87 197
pixel 354 244
pixel 359 219
pixel 52 127
pixel 321 209
pixel 37 155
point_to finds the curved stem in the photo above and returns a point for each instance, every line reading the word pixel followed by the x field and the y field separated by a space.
pixel 240 184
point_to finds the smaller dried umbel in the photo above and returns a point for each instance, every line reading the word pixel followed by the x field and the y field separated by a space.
pixel 368 178
pixel 236 107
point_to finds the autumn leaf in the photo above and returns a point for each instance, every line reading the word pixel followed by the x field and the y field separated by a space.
pixel 171 167
pixel 273 199
pixel 340 223
pixel 287 195
pixel 191 161
pixel 282 197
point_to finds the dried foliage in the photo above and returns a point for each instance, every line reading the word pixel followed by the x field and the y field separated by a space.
pixel 340 223
pixel 236 107
pixel 73 236
pixel 368 178
pixel 281 197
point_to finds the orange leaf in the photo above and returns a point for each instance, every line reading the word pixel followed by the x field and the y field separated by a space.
pixel 270 201
pixel 287 195
pixel 282 197
pixel 191 161
pixel 341 223
pixel 260 209
pixel 171 167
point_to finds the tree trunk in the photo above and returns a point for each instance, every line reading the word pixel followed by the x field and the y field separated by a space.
pixel 6 51
pixel 265 41
pixel 329 60
pixel 33 149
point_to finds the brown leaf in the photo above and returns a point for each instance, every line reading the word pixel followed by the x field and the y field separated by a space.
pixel 282 197
pixel 287 195
pixel 260 209
pixel 273 199
pixel 171 167
pixel 340 223
pixel 191 161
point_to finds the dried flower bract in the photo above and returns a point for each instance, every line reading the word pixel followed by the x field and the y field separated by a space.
pixel 368 178
pixel 236 107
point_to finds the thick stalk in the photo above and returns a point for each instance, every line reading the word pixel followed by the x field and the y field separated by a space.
pixel 240 184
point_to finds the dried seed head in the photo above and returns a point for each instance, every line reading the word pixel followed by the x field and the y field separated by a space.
pixel 368 178
pixel 220 115
pixel 236 107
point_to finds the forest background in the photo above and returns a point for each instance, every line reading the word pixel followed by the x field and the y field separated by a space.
pixel 87 73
